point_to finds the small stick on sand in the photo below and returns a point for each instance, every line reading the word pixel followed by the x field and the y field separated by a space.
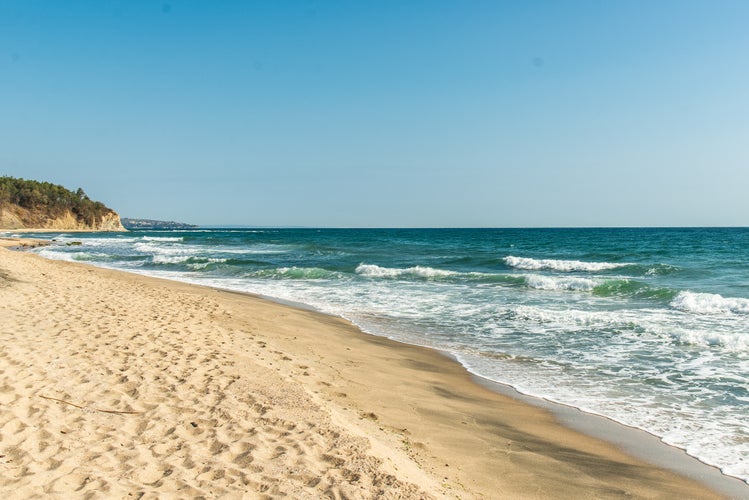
pixel 116 412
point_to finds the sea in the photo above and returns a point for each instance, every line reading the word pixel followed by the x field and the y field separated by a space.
pixel 646 326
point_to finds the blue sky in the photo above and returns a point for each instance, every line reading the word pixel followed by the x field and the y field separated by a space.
pixel 413 113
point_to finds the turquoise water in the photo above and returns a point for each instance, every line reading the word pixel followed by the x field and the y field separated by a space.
pixel 649 327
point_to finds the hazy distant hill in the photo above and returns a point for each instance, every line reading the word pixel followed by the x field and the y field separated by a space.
pixel 29 204
pixel 154 224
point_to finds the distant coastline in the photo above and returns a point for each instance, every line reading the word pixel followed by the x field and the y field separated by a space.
pixel 135 224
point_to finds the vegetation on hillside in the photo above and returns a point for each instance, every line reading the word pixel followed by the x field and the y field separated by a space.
pixel 51 199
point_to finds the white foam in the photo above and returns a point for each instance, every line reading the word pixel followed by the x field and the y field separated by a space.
pixel 156 249
pixel 709 303
pixel 730 341
pixel 260 249
pixel 48 253
pixel 203 265
pixel 653 326
pixel 170 259
pixel 567 318
pixel 375 271
pixel 307 273
pixel 163 238
pixel 146 247
pixel 559 265
pixel 93 242
pixel 553 283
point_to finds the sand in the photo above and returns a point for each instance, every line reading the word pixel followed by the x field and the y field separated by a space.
pixel 114 385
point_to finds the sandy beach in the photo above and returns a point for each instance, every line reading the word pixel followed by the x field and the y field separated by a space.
pixel 116 385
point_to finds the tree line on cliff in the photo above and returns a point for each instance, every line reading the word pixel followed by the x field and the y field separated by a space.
pixel 51 200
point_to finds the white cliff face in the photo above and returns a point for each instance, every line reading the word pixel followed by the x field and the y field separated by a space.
pixel 111 222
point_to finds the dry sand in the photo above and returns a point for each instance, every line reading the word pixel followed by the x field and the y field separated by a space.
pixel 115 385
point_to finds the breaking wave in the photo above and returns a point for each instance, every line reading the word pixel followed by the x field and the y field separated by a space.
pixel 296 273
pixel 632 288
pixel 375 271
pixel 163 238
pixel 529 264
pixel 551 283
pixel 709 303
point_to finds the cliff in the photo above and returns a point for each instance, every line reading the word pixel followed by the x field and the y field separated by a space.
pixel 15 217
pixel 26 204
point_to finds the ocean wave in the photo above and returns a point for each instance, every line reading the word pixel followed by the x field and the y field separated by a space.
pixel 375 271
pixel 709 303
pixel 170 259
pixel 259 249
pixel 203 263
pixel 77 256
pixel 154 248
pixel 163 238
pixel 169 248
pixel 651 327
pixel 661 270
pixel 191 261
pixel 735 342
pixel 92 242
pixel 539 282
pixel 296 273
pixel 632 288
pixel 572 319
pixel 151 248
pixel 530 264
pixel 49 253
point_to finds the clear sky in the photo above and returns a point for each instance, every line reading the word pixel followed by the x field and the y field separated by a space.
pixel 384 113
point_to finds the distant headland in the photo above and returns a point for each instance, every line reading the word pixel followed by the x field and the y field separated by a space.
pixel 29 205
pixel 139 224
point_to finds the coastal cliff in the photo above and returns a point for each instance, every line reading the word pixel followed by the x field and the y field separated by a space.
pixel 28 204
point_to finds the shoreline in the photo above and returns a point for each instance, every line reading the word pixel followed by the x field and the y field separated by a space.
pixel 635 441
pixel 442 393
